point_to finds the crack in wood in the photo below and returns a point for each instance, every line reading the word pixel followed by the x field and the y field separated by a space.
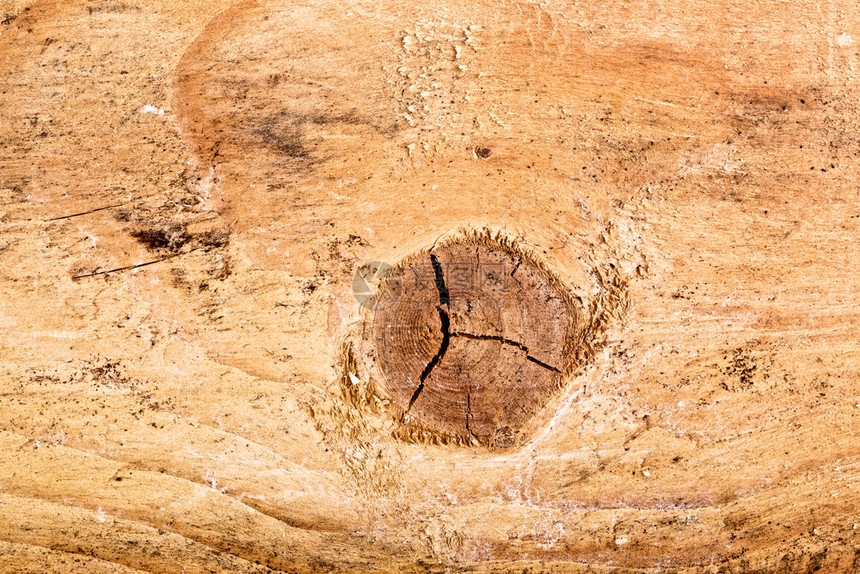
pixel 444 296
pixel 444 299
pixel 85 212
pixel 506 341
pixel 126 268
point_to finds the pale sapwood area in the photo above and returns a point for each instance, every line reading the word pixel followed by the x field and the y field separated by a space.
pixel 188 382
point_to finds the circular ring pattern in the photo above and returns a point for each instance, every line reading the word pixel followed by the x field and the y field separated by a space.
pixel 474 341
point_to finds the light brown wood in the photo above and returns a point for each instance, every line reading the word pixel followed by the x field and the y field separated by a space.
pixel 188 192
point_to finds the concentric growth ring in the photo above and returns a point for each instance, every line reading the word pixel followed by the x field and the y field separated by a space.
pixel 474 342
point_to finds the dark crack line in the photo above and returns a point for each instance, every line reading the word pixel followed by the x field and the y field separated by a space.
pixel 126 268
pixel 443 347
pixel 85 212
pixel 506 342
pixel 444 299
pixel 517 266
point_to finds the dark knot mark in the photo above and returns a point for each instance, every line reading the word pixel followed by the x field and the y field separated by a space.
pixel 444 299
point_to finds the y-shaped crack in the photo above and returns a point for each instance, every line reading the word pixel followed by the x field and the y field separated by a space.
pixel 510 342
pixel 443 309
pixel 444 299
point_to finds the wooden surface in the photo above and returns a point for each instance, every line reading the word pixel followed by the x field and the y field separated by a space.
pixel 688 171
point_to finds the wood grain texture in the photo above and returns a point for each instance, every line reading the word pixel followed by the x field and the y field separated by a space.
pixel 688 171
